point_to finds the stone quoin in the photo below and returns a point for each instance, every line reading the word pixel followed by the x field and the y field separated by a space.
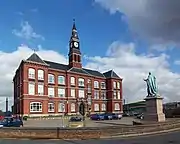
pixel 43 88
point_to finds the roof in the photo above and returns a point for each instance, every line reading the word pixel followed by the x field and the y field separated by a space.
pixel 35 58
pixel 94 73
pixel 58 66
pixel 111 74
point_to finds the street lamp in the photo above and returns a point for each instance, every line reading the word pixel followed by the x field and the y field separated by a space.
pixel 64 110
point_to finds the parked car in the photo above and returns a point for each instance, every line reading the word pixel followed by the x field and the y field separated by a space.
pixel 97 117
pixel 11 122
pixel 116 116
pixel 140 116
pixel 1 118
pixel 75 122
pixel 107 116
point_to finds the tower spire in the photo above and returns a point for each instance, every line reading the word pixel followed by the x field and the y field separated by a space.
pixel 74 48
pixel 74 24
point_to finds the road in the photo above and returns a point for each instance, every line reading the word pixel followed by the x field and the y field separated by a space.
pixel 89 123
pixel 169 138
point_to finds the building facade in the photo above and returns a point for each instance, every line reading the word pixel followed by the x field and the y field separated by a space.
pixel 43 88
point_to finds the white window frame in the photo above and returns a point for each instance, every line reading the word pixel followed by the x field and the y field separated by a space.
pixel 89 81
pixel 73 107
pixel 81 82
pixel 37 103
pixel 103 85
pixel 51 91
pixel 103 95
pixel 73 93
pixel 31 73
pixel 40 74
pixel 81 93
pixel 103 107
pixel 53 79
pixel 114 85
pixel 40 89
pixel 118 85
pixel 115 95
pixel 31 91
pixel 61 92
pixel 61 105
pixel 73 81
pixel 118 95
pixel 63 80
pixel 116 106
pixel 96 96
pixel 96 84
pixel 96 107
pixel 51 105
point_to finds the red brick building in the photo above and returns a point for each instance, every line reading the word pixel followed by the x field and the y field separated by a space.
pixel 43 88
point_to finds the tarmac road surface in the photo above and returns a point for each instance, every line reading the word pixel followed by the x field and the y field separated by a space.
pixel 168 138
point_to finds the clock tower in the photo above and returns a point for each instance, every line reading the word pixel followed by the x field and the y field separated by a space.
pixel 74 49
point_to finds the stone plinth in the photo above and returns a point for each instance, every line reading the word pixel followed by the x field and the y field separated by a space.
pixel 154 109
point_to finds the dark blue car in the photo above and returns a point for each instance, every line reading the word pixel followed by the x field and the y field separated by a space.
pixel 97 117
pixel 112 116
pixel 11 122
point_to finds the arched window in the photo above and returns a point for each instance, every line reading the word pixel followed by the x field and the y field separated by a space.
pixel 116 106
pixel 73 107
pixel 35 107
pixel 51 107
pixel 96 107
pixel 96 84
pixel 61 107
pixel 61 80
pixel 40 75
pixel 51 78
pixel 103 107
pixel 31 73
pixel 73 81
pixel 81 82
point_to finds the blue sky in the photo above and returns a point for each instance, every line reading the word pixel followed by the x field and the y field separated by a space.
pixel 139 39
pixel 53 19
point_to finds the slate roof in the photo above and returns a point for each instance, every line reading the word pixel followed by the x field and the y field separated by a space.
pixel 59 66
pixel 94 73
pixel 111 74
pixel 78 70
pixel 35 58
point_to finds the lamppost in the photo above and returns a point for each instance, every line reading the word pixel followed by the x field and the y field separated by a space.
pixel 64 110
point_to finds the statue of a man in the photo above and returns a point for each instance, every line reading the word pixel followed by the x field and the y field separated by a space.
pixel 151 85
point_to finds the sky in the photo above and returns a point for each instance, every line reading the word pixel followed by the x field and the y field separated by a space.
pixel 130 37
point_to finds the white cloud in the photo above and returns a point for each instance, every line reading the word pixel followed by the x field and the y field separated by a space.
pixel 122 58
pixel 155 20
pixel 9 63
pixel 27 32
pixel 134 68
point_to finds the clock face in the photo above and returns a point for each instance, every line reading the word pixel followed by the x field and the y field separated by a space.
pixel 76 44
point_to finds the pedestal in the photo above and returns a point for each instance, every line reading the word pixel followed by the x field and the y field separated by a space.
pixel 154 109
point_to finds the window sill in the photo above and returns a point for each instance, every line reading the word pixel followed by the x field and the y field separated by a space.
pixel 51 111
pixel 35 111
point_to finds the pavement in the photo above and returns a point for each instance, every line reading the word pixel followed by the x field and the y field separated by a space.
pixel 167 138
pixel 88 123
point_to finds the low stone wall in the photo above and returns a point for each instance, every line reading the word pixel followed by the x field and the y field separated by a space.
pixel 83 133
